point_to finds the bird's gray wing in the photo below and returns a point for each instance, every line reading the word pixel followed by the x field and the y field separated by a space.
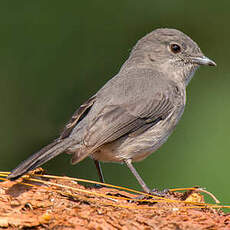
pixel 80 113
pixel 135 106
pixel 120 120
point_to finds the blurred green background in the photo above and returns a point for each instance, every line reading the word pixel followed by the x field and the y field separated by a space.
pixel 56 54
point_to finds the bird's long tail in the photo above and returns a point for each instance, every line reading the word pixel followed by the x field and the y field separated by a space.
pixel 40 157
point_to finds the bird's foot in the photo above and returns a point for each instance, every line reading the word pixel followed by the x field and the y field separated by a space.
pixel 156 192
pixel 98 186
pixel 153 192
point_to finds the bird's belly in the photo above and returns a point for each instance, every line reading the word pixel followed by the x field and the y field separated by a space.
pixel 139 147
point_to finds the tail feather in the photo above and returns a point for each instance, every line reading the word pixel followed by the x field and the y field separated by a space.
pixel 39 158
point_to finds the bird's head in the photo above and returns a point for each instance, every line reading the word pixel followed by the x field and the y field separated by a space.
pixel 171 51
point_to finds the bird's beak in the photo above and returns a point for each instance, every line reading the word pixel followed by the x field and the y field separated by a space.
pixel 203 61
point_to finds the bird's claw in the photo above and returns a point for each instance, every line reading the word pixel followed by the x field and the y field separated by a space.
pixel 154 192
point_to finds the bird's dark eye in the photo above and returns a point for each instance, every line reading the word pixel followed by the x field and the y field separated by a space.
pixel 175 48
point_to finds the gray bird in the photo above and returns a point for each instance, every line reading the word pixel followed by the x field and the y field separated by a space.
pixel 134 113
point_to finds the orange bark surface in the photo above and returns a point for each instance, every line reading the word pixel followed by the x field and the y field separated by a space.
pixel 73 206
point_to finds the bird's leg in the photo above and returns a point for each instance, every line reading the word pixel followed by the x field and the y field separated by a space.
pixel 142 183
pixel 136 174
pixel 99 171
